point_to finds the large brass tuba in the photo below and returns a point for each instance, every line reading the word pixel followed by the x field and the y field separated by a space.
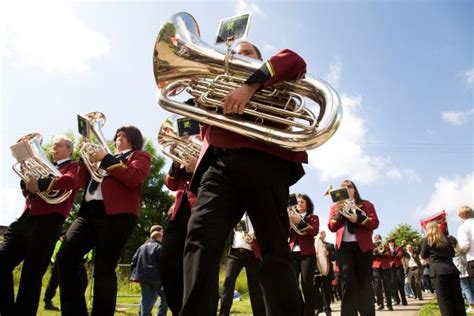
pixel 182 61
pixel 95 121
pixel 174 146
pixel 33 164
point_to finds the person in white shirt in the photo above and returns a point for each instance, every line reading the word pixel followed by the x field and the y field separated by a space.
pixel 466 238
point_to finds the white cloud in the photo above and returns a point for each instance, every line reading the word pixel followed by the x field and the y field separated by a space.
pixel 343 155
pixel 11 204
pixel 268 47
pixel 449 194
pixel 245 6
pixel 334 74
pixel 48 35
pixel 458 118
pixel 407 174
pixel 469 75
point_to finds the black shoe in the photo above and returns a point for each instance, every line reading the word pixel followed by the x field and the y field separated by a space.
pixel 49 306
pixel 405 303
pixel 380 308
pixel 390 308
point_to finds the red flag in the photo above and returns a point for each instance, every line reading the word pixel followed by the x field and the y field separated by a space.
pixel 440 218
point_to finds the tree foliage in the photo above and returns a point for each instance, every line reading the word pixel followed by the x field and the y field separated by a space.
pixel 403 232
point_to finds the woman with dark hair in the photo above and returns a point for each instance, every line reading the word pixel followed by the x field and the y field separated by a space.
pixel 443 272
pixel 354 251
pixel 304 226
pixel 106 219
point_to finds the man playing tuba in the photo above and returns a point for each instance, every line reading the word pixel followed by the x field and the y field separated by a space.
pixel 32 237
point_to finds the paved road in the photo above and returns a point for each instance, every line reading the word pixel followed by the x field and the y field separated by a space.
pixel 411 309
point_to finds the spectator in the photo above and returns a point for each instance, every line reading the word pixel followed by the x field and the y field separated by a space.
pixel 145 270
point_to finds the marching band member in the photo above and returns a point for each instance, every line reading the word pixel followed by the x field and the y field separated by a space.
pixel 106 219
pixel 325 281
pixel 354 252
pixel 243 252
pixel 398 274
pixel 32 237
pixel 235 173
pixel 303 251
pixel 171 257
pixel 381 270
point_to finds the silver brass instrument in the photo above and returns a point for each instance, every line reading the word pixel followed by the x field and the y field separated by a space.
pixel 248 235
pixel 95 121
pixel 278 116
pixel 176 147
pixel 379 248
pixel 294 211
pixel 341 196
pixel 33 164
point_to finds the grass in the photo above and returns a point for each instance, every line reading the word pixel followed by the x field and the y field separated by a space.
pixel 129 293
pixel 432 309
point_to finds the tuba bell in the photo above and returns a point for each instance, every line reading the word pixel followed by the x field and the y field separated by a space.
pixel 176 147
pixel 278 116
pixel 95 121
pixel 33 164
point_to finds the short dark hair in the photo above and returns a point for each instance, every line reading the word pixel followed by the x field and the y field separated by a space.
pixel 309 203
pixel 134 136
pixel 259 54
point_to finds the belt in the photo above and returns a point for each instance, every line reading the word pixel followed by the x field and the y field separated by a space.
pixel 241 250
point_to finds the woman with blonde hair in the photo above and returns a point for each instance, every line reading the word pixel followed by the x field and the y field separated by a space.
pixel 443 272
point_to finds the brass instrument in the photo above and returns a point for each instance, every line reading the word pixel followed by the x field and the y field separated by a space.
pixel 293 210
pixel 95 121
pixel 379 248
pixel 33 164
pixel 341 196
pixel 176 147
pixel 279 116
pixel 242 227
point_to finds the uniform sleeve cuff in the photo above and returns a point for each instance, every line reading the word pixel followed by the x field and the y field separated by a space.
pixel 110 162
pixel 261 75
pixel 45 184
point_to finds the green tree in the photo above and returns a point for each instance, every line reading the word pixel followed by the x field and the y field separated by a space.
pixel 403 232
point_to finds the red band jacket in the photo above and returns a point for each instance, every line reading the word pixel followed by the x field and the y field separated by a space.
pixel 69 180
pixel 364 226
pixel 306 242
pixel 122 188
pixel 178 180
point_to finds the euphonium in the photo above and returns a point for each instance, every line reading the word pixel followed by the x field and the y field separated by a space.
pixel 176 147
pixel 95 122
pixel 379 248
pixel 341 196
pixel 33 164
pixel 182 61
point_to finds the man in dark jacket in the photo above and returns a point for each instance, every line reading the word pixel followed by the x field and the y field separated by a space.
pixel 145 270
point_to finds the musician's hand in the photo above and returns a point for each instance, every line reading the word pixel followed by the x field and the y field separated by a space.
pixel 352 218
pixel 32 186
pixel 237 99
pixel 97 156
pixel 191 160
pixel 294 218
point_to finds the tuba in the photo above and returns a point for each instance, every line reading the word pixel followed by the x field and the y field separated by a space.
pixel 33 164
pixel 176 147
pixel 95 121
pixel 278 116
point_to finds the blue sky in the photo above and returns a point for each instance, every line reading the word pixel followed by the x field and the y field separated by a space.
pixel 403 69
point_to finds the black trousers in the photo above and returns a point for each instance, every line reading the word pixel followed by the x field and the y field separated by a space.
pixel 53 282
pixel 171 257
pixel 238 181
pixel 398 285
pixel 30 239
pixel 383 286
pixel 449 295
pixel 108 234
pixel 356 280
pixel 305 266
pixel 237 260
pixel 324 288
